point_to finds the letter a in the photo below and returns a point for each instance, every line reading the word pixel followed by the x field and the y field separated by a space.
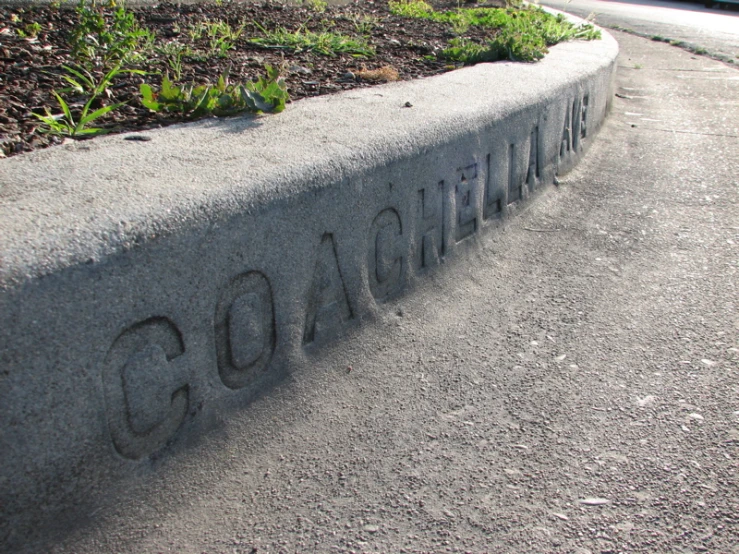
pixel 328 303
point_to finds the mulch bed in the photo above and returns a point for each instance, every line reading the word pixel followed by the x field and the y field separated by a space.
pixel 31 68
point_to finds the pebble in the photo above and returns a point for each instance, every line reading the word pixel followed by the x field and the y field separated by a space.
pixel 695 416
pixel 645 401
pixel 371 528
pixel 708 363
pixel 594 501
pixel 299 69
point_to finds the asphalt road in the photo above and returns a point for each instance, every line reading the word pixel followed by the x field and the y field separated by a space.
pixel 570 386
pixel 716 30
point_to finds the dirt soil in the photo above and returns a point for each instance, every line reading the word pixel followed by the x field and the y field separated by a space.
pixel 32 67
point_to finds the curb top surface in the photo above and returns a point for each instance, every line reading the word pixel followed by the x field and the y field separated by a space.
pixel 155 187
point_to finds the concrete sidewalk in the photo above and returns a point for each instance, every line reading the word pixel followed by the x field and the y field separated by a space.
pixel 569 385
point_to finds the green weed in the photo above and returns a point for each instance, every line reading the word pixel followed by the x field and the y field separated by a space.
pixel 507 45
pixel 326 43
pixel 222 37
pixel 66 123
pixel 215 29
pixel 173 52
pixel 30 30
pixel 411 8
pixel 266 95
pixel 318 6
pixel 364 25
pixel 107 33
pixel 556 29
pixel 460 27
pixel 522 34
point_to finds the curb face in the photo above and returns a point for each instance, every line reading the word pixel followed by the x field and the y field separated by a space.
pixel 148 288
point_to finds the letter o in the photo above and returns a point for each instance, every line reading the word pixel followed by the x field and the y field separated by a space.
pixel 245 331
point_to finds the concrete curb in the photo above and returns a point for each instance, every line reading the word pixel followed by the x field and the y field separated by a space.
pixel 148 288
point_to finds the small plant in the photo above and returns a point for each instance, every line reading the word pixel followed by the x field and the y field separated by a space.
pixel 557 29
pixel 326 43
pixel 83 82
pixel 107 33
pixel 173 53
pixel 65 123
pixel 30 30
pixel 213 29
pixel 197 31
pixel 266 95
pixel 219 47
pixel 465 51
pixel 460 27
pixel 364 25
pixel 509 44
pixel 222 37
pixel 224 30
pixel 521 34
pixel 318 6
pixel 327 24
pixel 411 8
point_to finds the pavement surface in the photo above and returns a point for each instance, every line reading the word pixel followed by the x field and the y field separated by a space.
pixel 571 386
pixel 712 29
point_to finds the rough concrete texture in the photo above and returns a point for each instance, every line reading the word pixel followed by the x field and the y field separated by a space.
pixel 568 386
pixel 152 289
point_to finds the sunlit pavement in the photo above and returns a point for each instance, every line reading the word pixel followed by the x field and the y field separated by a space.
pixel 714 29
